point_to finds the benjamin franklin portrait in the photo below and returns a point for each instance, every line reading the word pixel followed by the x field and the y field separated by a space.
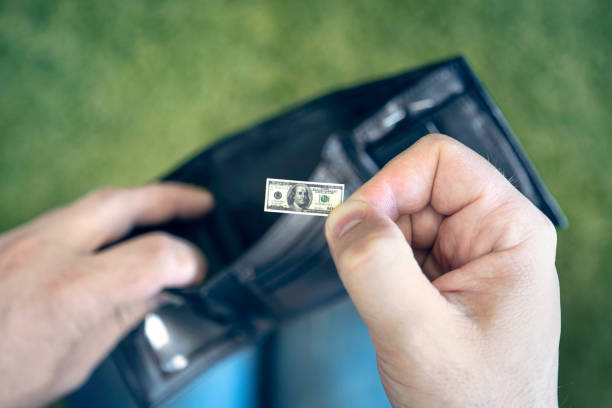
pixel 299 197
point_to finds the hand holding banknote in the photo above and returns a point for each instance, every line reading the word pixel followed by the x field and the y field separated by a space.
pixel 453 272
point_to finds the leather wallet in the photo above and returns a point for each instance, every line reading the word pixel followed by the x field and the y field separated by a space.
pixel 266 268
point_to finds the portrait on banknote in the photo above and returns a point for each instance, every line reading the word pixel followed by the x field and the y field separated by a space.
pixel 299 197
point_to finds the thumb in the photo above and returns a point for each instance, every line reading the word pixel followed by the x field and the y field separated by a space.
pixel 379 271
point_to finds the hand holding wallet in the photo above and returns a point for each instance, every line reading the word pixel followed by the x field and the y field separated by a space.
pixel 65 300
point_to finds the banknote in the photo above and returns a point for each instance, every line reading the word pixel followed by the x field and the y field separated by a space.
pixel 302 197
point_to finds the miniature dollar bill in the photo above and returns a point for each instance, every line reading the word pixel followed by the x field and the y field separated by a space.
pixel 302 197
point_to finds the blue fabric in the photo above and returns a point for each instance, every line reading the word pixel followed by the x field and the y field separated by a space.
pixel 325 359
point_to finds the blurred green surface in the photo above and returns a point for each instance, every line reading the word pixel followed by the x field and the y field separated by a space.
pixel 117 92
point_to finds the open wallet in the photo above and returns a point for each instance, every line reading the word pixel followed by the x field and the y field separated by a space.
pixel 266 268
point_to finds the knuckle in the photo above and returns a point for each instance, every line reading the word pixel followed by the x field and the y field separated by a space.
pixel 440 140
pixel 546 236
pixel 538 225
pixel 21 250
pixel 170 253
pixel 548 229
pixel 97 200
pixel 139 280
pixel 160 244
pixel 170 257
pixel 185 260
pixel 107 193
pixel 444 144
pixel 27 244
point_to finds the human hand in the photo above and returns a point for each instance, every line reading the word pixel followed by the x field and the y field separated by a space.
pixel 453 272
pixel 64 303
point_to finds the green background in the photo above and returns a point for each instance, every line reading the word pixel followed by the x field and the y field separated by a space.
pixel 116 92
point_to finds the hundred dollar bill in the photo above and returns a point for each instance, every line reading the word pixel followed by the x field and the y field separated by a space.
pixel 302 197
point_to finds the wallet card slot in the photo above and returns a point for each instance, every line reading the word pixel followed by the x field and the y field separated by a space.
pixel 428 94
pixel 399 140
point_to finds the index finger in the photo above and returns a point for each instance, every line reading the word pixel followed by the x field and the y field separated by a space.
pixel 439 171
pixel 481 212
pixel 106 215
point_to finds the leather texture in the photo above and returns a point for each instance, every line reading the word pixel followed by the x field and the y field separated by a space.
pixel 266 268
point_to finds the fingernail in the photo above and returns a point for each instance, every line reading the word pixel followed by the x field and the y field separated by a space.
pixel 346 217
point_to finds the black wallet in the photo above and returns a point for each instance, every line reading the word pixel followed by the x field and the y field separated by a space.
pixel 265 268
